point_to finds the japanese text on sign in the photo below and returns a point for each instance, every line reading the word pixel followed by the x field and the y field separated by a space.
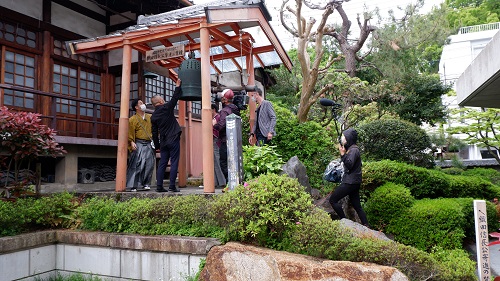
pixel 165 53
pixel 483 252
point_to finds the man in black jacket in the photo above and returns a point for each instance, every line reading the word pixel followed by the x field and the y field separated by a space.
pixel 165 125
pixel 228 108
pixel 352 178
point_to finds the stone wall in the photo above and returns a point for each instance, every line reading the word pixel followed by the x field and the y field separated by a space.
pixel 105 255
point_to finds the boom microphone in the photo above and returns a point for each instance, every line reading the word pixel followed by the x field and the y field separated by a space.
pixel 327 102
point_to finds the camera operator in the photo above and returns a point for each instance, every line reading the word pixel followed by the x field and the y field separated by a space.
pixel 228 108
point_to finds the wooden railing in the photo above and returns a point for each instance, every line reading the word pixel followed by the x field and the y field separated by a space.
pixel 111 128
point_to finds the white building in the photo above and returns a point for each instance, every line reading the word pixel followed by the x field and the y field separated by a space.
pixel 456 57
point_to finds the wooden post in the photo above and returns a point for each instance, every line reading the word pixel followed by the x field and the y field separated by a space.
pixel 121 158
pixel 182 172
pixel 206 113
pixel 251 81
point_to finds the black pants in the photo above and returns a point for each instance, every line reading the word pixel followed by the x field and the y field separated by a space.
pixel 353 191
pixel 223 158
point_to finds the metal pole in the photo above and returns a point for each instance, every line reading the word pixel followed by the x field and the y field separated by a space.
pixel 206 112
pixel 121 158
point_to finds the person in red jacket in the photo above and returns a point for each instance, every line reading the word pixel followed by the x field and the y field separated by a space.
pixel 228 108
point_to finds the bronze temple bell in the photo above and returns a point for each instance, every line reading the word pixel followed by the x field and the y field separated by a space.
pixel 190 75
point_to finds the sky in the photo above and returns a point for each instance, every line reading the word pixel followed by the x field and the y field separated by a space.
pixel 352 8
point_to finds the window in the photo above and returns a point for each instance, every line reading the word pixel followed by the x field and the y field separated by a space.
pixel 94 59
pixel 19 71
pixel 161 86
pixel 16 33
pixel 134 90
pixel 76 83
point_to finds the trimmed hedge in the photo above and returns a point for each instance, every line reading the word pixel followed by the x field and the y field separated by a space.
pixel 31 214
pixel 426 183
pixel 429 223
pixel 386 203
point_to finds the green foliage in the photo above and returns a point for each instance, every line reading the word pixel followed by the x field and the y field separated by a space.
pixel 479 126
pixel 317 235
pixel 259 160
pixel 422 99
pixel 386 203
pixel 426 183
pixel 28 214
pixel 73 277
pixel 452 171
pixel 429 223
pixel 263 210
pixel 467 205
pixel 411 45
pixel 310 142
pixel 172 215
pixel 489 174
pixel 395 140
pixel 455 264
pixel 462 13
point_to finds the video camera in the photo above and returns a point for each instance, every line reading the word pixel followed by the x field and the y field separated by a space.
pixel 240 99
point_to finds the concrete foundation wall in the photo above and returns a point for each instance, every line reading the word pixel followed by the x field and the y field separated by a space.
pixel 107 256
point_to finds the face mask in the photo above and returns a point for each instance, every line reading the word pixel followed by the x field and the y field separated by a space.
pixel 343 140
pixel 143 107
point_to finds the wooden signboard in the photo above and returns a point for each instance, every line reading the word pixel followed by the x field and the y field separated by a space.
pixel 165 53
pixel 482 248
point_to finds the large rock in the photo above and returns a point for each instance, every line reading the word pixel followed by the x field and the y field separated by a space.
pixel 295 169
pixel 235 262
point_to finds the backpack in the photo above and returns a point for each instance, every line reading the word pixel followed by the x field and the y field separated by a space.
pixel 334 171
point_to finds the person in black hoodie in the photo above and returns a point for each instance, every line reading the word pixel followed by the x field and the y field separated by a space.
pixel 351 180
pixel 228 108
pixel 165 125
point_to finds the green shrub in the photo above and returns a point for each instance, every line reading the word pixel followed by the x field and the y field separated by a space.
pixel 426 183
pixel 397 140
pixel 489 174
pixel 386 203
pixel 455 265
pixel 261 211
pixel 29 214
pixel 313 144
pixel 317 235
pixel 429 223
pixel 12 221
pixel 452 171
pixel 259 160
pixel 467 205
pixel 173 215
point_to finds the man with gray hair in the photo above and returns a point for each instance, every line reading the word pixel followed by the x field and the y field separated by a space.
pixel 265 121
pixel 167 137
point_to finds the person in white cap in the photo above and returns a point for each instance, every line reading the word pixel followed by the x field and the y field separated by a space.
pixel 228 108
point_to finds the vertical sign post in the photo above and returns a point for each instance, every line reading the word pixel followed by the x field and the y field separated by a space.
pixel 482 249
pixel 234 151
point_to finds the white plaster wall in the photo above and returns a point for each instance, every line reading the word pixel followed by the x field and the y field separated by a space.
pixel 116 57
pixel 455 58
pixel 121 18
pixel 89 5
pixel 31 8
pixel 108 263
pixel 460 52
pixel 75 22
